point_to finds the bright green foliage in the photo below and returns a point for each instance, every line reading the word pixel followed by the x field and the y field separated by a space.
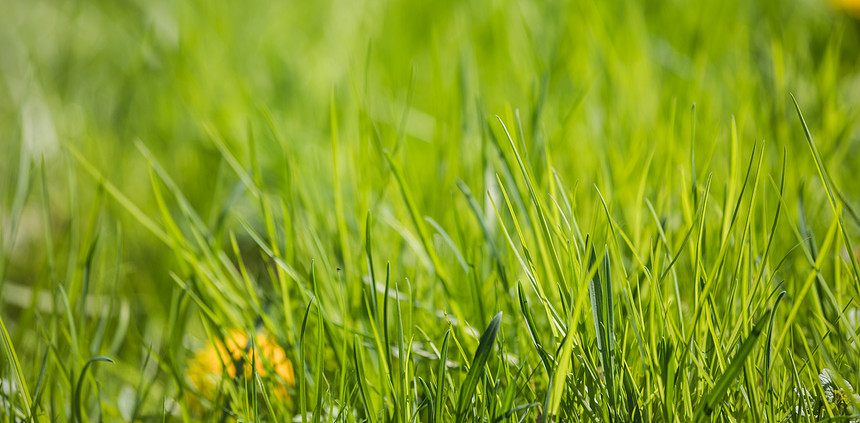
pixel 474 211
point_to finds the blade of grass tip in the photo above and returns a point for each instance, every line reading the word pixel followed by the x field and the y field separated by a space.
pixel 426 401
pixel 528 263
pixel 440 381
pixel 823 173
pixel 119 197
pixel 595 293
pixel 419 223
pixel 476 367
pixel 319 379
pixel 543 221
pixel 79 386
pixel 369 251
pixel 717 393
pixel 546 359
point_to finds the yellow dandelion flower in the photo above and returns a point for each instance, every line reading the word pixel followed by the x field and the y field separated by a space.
pixel 205 369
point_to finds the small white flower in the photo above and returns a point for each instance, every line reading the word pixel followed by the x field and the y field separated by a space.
pixel 831 390
pixel 804 400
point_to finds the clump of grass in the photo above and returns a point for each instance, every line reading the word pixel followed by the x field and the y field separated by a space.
pixel 489 211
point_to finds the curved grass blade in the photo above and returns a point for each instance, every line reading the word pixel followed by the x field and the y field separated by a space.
pixel 80 384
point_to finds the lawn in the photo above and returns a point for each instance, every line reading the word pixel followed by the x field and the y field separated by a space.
pixel 429 211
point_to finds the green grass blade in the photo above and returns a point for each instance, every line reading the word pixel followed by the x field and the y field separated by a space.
pixel 419 223
pixel 718 392
pixel 78 406
pixel 558 380
pixel 441 371
pixel 476 367
pixel 828 185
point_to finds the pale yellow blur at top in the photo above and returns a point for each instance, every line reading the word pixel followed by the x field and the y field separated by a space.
pixel 851 7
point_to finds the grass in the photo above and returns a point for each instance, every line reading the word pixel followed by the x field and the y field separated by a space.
pixel 494 211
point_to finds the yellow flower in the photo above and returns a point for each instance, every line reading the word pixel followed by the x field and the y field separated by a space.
pixel 205 368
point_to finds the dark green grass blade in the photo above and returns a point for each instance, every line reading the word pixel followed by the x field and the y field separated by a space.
pixel 600 291
pixel 476 368
pixel 438 416
pixel 718 392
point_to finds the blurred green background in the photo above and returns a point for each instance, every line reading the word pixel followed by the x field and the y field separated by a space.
pixel 100 75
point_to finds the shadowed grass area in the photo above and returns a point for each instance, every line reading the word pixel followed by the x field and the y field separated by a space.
pixel 493 210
